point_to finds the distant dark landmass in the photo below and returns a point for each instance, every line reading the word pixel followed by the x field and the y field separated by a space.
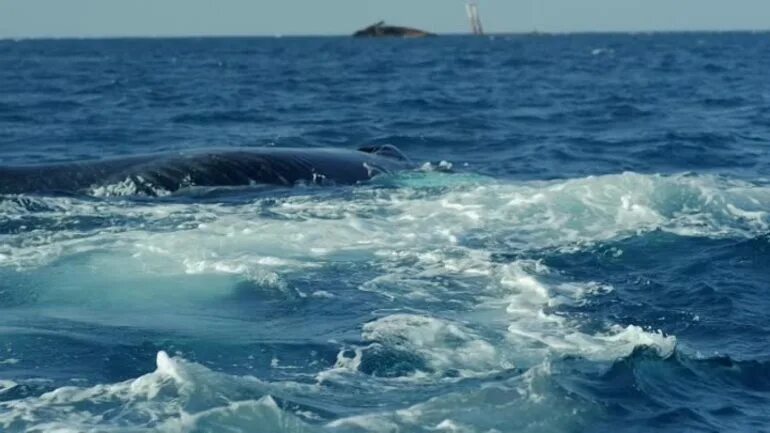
pixel 379 30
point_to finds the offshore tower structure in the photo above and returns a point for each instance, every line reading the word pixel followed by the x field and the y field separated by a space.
pixel 472 8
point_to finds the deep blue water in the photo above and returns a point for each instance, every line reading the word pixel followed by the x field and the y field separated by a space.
pixel 596 261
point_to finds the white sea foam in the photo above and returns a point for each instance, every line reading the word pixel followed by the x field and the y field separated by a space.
pixel 519 404
pixel 6 385
pixel 517 304
pixel 529 215
pixel 133 187
pixel 454 252
pixel 178 396
pixel 536 331
pixel 125 187
pixel 443 344
pixel 432 243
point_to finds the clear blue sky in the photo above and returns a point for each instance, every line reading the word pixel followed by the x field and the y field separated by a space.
pixel 29 18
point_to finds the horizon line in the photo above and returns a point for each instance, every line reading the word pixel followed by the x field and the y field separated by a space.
pixel 339 35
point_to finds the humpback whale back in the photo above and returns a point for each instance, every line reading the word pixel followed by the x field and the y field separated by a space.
pixel 165 173
pixel 386 150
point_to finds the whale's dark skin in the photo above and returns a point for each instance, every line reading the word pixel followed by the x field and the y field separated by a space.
pixel 170 172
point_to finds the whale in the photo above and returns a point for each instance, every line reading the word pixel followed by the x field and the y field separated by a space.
pixel 165 173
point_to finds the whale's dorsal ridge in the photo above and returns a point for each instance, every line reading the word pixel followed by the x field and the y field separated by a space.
pixel 386 150
pixel 165 173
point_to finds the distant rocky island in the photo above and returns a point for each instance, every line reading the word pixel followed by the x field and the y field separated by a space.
pixel 380 29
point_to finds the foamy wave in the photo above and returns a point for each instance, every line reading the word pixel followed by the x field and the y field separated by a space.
pixel 517 304
pixel 6 385
pixel 443 344
pixel 517 404
pixel 562 214
pixel 536 329
pixel 435 246
pixel 178 396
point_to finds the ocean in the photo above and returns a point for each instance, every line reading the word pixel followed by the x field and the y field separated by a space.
pixel 595 260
